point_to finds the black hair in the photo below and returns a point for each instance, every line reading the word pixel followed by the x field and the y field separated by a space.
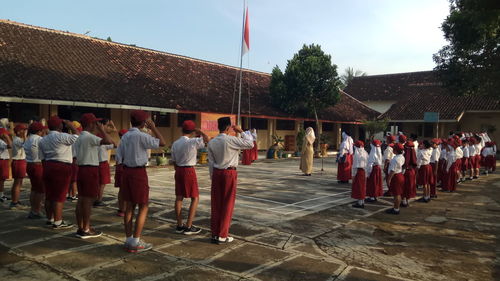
pixel 427 144
pixel 187 132
pixel 104 121
pixel 135 123
pixel 223 123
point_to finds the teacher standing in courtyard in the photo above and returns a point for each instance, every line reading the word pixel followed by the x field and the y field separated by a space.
pixel 306 160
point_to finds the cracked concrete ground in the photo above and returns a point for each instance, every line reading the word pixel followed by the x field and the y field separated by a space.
pixel 287 227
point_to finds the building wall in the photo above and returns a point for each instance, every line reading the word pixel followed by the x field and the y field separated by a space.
pixel 479 121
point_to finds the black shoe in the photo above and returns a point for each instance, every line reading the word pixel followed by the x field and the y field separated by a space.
pixel 356 205
pixel 434 196
pixel 4 198
pixel 404 205
pixel 192 230
pixel 99 204
pixel 387 194
pixel 92 233
pixel 180 229
pixel 392 211
pixel 427 200
pixel 214 240
pixel 34 216
pixel 475 177
pixel 370 200
pixel 49 223
pixel 422 199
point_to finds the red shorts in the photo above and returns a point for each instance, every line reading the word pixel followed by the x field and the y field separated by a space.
pixel 186 183
pixel 74 171
pixel 35 173
pixel 104 173
pixel 477 161
pixel 135 186
pixel 88 181
pixel 4 169
pixel 397 183
pixel 118 175
pixel 18 169
pixel 56 178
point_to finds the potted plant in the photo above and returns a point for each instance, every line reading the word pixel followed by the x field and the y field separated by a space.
pixel 276 150
pixel 323 140
pixel 162 160
pixel 299 141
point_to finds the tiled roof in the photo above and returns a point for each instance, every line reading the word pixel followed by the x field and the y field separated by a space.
pixel 40 63
pixel 390 87
pixel 436 99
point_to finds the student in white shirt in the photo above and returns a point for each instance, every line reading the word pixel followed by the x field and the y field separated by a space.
pixel 387 157
pixel 358 188
pixel 223 152
pixel 396 178
pixel 5 144
pixel 184 151
pixel 425 172
pixel 87 149
pixel 135 187
pixel 55 149
pixel 374 186
pixel 434 162
pixel 118 177
pixel 104 169
pixel 18 164
pixel 34 169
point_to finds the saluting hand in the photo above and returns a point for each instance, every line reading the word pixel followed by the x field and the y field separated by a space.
pixel 237 129
pixel 150 124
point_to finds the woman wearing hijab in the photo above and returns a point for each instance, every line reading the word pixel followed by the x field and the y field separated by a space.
pixel 425 171
pixel 396 178
pixel 306 159
pixel 410 187
pixel 345 159
pixel 374 172
pixel 360 160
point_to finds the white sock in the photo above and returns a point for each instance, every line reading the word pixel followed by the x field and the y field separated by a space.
pixel 361 202
pixel 373 198
pixel 134 241
pixel 58 222
pixel 426 197
pixel 397 210
pixel 128 240
pixel 404 201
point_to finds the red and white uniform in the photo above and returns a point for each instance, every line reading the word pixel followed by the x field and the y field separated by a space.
pixel 374 172
pixel 18 158
pixel 465 159
pixel 87 158
pixel 450 182
pixel 398 180
pixel 425 171
pixel 223 151
pixel 4 160
pixel 57 155
pixel 248 154
pixel 184 151
pixel 360 160
pixel 133 149
pixel 489 157
pixel 104 170
pixel 434 162
pixel 34 163
pixel 345 152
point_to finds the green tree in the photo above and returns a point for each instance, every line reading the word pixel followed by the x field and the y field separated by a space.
pixel 309 85
pixel 470 64
pixel 349 74
pixel 375 126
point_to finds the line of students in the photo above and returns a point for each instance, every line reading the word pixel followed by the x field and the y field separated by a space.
pixel 408 164
pixel 54 157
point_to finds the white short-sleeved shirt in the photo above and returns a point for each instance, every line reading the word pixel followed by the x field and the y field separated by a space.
pixel 388 153
pixel 87 149
pixel 424 156
pixel 56 146
pixel 459 152
pixel 17 149
pixel 397 163
pixel 133 147
pixel 4 150
pixel 184 150
pixel 488 151
pixel 465 149
pixel 223 150
pixel 104 152
pixel 436 153
pixel 31 148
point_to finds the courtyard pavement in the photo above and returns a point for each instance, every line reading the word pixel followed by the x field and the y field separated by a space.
pixel 287 227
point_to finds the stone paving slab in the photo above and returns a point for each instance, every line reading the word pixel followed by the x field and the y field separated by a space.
pixel 200 273
pixel 57 244
pixel 301 269
pixel 198 249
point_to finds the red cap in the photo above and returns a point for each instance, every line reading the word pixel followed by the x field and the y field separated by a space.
pixel 436 141
pixel 409 144
pixel 188 125
pixel 19 127
pixel 122 132
pixel 376 142
pixel 139 115
pixel 79 129
pixel 398 148
pixel 359 143
pixel 36 127
pixel 402 138
pixel 54 122
pixel 4 131
pixel 88 118
pixel 390 139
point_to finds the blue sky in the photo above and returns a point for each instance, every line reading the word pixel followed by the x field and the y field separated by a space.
pixel 376 36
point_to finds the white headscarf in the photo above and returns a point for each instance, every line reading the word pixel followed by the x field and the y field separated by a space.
pixel 310 137
pixel 4 123
pixel 360 159
pixel 347 143
pixel 374 158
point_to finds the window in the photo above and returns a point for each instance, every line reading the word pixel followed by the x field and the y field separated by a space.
pixel 181 117
pixel 76 112
pixel 327 126
pixel 161 119
pixel 258 123
pixel 285 125
pixel 428 130
pixel 19 112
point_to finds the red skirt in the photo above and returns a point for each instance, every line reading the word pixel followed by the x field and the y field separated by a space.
pixel 104 173
pixel 118 175
pixel 410 187
pixel 135 186
pixel 425 175
pixel 374 183
pixel 397 183
pixel 35 173
pixel 255 151
pixel 246 159
pixel 490 162
pixel 434 178
pixel 223 196
pixel 186 183
pixel 88 181
pixel 56 178
pixel 74 170
pixel 450 182
pixel 477 162
pixel 465 164
pixel 344 172
pixel 4 169
pixel 18 169
pixel 358 190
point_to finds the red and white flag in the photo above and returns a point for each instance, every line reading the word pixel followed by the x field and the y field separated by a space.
pixel 246 36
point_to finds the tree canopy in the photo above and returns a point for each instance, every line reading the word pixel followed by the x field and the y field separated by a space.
pixel 309 84
pixel 470 64
pixel 349 74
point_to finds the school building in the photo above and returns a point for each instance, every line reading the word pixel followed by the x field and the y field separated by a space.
pixel 407 100
pixel 44 72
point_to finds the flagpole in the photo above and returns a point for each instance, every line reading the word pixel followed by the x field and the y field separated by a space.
pixel 238 121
